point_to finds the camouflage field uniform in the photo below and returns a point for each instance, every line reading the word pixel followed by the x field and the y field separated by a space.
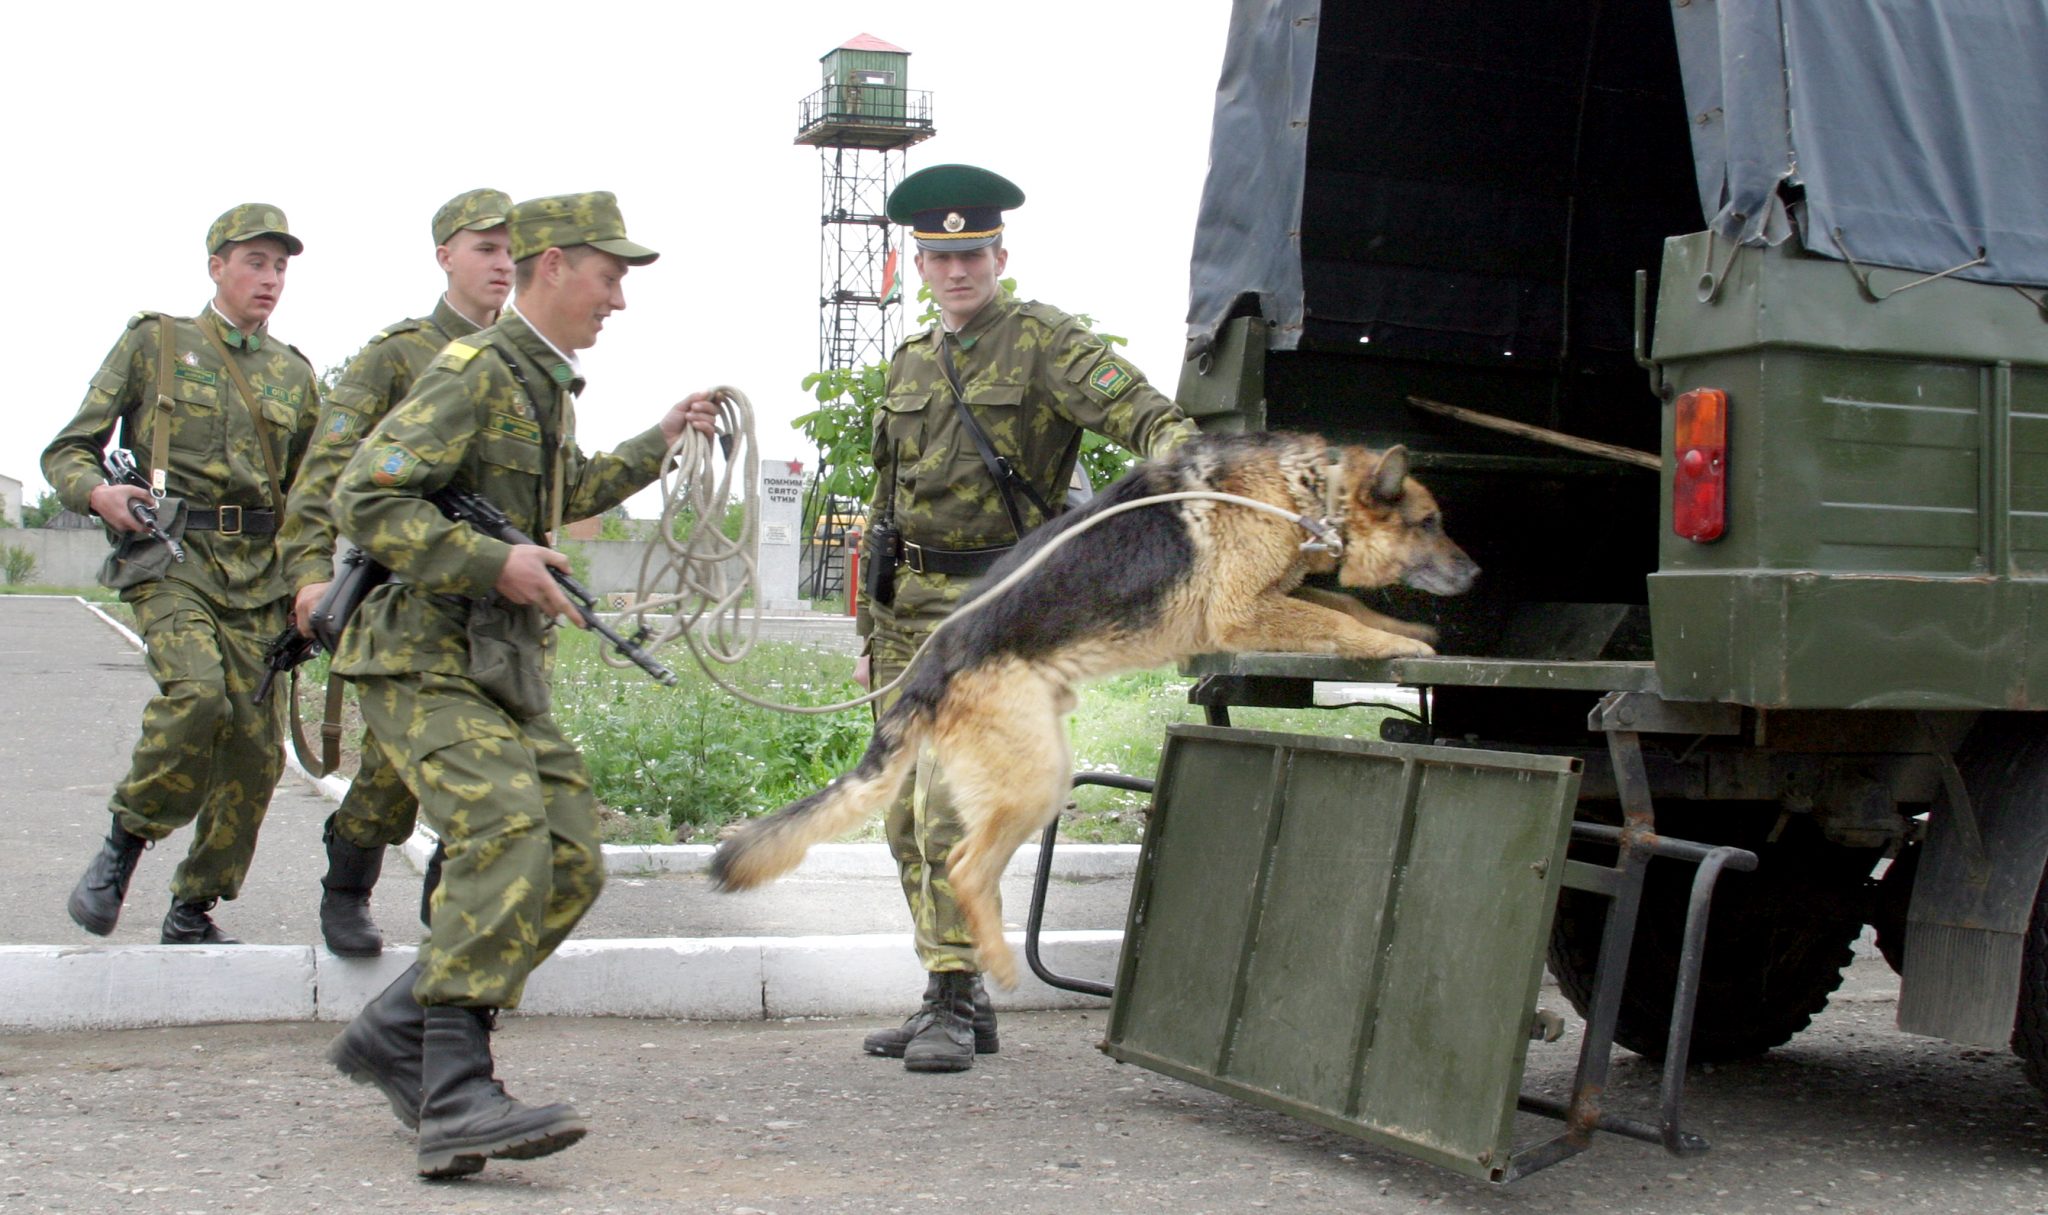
pixel 208 751
pixel 379 809
pixel 505 791
pixel 1035 379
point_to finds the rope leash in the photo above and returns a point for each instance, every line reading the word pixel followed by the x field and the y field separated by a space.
pixel 688 570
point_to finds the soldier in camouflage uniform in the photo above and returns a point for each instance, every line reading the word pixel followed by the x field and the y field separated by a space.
pixel 471 247
pixel 187 395
pixel 1034 378
pixel 451 666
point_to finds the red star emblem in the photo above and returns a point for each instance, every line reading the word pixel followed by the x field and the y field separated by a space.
pixel 796 468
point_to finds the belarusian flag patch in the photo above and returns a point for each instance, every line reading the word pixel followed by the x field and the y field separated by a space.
pixel 1112 379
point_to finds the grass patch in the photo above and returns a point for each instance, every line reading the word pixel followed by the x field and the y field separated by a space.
pixel 695 759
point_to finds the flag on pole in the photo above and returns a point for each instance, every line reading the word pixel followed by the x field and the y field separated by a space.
pixel 891 289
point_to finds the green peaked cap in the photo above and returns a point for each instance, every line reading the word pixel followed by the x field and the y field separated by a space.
pixel 566 220
pixel 471 211
pixel 954 206
pixel 249 221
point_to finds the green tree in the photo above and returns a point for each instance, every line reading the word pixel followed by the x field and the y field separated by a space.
pixel 843 423
pixel 45 508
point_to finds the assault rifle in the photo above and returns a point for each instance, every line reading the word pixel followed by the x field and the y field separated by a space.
pixel 122 470
pixel 284 651
pixel 480 513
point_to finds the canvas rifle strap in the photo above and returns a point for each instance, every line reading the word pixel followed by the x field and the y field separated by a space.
pixel 160 425
pixel 248 395
pixel 330 728
pixel 999 467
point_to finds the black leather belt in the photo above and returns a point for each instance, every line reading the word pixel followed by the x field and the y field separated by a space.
pixel 230 520
pixel 954 563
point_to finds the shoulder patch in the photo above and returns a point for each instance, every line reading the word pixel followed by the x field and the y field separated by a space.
pixel 1111 379
pixel 456 355
pixel 341 426
pixel 395 465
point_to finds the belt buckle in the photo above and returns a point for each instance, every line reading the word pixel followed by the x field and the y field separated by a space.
pixel 913 557
pixel 228 520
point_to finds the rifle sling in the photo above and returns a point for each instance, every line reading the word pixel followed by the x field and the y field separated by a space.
pixel 999 467
pixel 248 396
pixel 160 426
pixel 330 728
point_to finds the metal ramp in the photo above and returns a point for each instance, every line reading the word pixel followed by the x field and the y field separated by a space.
pixel 1353 933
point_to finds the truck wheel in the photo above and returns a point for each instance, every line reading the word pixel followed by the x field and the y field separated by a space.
pixel 1778 939
pixel 2030 1024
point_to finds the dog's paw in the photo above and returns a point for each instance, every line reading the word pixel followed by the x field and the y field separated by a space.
pixel 1424 633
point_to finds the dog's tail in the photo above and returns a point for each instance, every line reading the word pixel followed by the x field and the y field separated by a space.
pixel 769 847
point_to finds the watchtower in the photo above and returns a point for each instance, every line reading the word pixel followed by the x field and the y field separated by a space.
pixel 862 120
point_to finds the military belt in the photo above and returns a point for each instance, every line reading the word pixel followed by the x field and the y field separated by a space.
pixel 230 520
pixel 954 563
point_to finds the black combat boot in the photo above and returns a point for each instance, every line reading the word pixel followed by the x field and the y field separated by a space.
pixel 345 896
pixel 382 1046
pixel 189 924
pixel 946 1043
pixel 96 901
pixel 465 1114
pixel 891 1042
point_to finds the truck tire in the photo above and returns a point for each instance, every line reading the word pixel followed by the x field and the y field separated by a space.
pixel 1778 939
pixel 2030 1022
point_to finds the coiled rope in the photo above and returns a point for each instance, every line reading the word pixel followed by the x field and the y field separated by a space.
pixel 687 571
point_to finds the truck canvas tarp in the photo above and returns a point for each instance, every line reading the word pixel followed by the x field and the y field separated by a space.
pixel 1923 149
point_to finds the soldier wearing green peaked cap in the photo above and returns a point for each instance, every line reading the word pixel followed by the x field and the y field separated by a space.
pixel 473 251
pixel 1034 379
pixel 956 207
pixel 218 413
pixel 451 664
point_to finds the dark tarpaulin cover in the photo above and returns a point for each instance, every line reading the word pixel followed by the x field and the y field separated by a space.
pixel 1247 235
pixel 1915 129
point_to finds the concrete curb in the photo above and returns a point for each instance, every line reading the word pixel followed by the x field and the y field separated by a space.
pixel 55 987
pixel 695 979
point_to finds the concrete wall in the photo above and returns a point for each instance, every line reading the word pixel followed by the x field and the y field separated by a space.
pixel 72 557
pixel 64 556
pixel 10 500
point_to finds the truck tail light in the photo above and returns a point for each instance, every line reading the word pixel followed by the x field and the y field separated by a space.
pixel 1699 480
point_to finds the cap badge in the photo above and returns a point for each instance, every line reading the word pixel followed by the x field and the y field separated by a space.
pixel 954 221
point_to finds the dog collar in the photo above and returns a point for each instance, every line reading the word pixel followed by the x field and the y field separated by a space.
pixel 1326 535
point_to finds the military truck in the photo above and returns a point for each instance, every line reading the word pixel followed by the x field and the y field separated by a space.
pixel 1718 329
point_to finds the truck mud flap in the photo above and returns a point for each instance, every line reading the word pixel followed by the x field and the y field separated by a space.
pixel 1353 933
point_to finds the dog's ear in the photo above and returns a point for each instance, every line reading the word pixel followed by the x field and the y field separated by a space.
pixel 1393 469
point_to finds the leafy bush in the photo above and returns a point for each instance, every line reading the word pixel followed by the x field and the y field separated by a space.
pixel 17 564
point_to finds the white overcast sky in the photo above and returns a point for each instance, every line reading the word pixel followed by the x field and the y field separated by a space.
pixel 130 126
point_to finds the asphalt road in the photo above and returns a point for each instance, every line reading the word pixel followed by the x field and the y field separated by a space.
pixel 786 1117
pixel 782 1117
pixel 68 720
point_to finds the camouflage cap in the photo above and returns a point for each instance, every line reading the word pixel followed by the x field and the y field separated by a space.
pixel 566 220
pixel 471 211
pixel 247 222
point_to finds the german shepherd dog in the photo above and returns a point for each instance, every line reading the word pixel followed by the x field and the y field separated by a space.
pixel 1147 588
